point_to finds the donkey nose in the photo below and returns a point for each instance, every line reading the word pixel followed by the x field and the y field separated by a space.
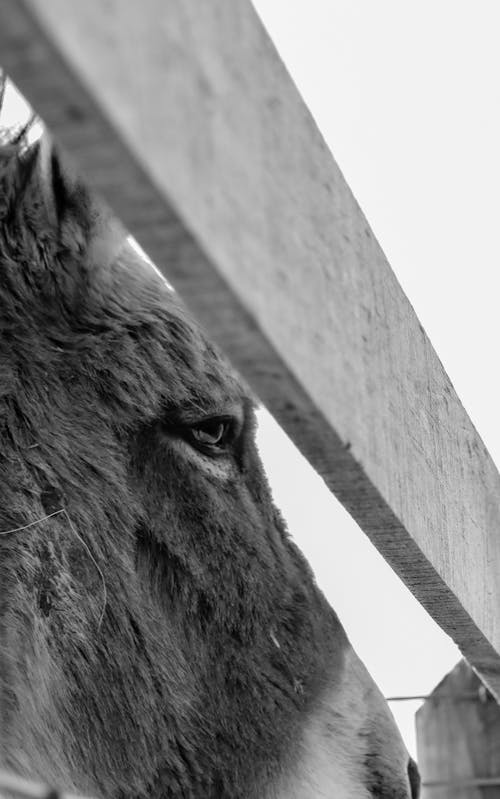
pixel 414 779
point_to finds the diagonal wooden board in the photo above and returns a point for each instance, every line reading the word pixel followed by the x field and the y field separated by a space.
pixel 183 117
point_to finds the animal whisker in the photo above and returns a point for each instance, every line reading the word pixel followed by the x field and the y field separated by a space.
pixel 64 512
pixel 32 524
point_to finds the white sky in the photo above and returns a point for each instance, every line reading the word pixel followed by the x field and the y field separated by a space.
pixel 407 97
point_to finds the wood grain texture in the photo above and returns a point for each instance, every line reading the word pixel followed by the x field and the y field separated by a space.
pixel 183 117
pixel 458 739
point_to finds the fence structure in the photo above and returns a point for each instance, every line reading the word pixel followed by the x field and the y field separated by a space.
pixel 458 739
pixel 182 116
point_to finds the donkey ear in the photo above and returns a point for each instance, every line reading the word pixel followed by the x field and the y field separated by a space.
pixel 79 216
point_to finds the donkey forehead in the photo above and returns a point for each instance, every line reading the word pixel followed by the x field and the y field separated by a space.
pixel 117 323
pixel 71 281
pixel 151 309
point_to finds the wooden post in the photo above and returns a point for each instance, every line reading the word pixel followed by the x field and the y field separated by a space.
pixel 458 739
pixel 182 115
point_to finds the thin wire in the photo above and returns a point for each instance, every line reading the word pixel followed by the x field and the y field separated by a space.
pixel 32 524
pixel 64 512
pixel 472 695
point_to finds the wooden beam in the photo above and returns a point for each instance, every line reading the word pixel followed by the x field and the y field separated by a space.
pixel 182 115
pixel 458 739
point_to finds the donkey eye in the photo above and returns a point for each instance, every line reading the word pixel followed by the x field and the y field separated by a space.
pixel 212 436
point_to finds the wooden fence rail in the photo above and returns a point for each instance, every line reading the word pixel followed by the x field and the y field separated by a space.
pixel 458 741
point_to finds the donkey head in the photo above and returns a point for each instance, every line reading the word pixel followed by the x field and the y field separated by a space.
pixel 160 635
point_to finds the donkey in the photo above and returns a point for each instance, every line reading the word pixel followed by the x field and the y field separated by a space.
pixel 160 634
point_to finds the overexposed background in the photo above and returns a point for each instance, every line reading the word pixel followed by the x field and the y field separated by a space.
pixel 407 97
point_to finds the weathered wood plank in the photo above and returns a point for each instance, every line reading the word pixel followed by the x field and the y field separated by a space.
pixel 458 739
pixel 182 115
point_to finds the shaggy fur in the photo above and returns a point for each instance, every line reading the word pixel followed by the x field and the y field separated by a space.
pixel 160 635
